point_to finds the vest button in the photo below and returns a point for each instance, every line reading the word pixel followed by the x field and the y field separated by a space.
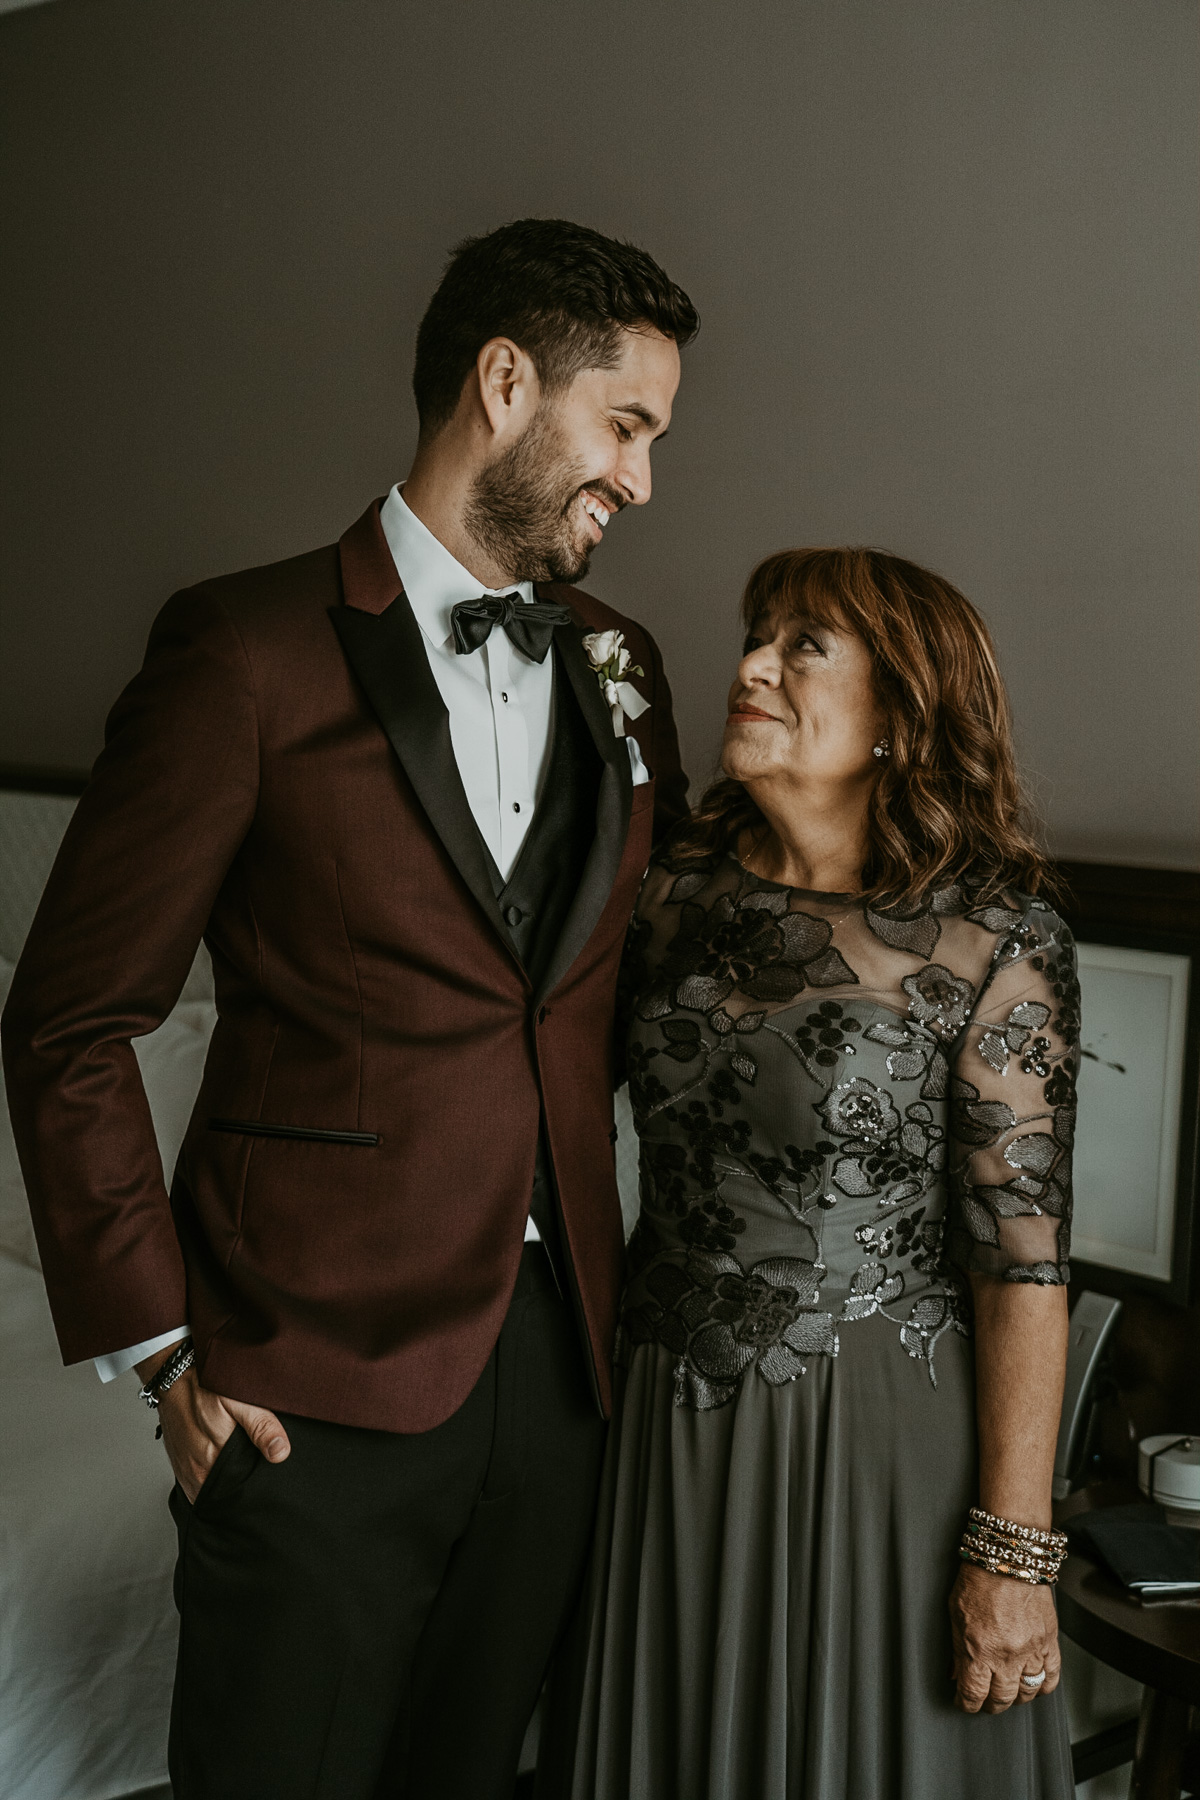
pixel 513 915
pixel 516 806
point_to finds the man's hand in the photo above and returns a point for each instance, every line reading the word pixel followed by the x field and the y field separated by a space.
pixel 1003 1629
pixel 196 1424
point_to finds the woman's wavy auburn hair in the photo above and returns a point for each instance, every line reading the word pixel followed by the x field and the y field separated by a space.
pixel 948 805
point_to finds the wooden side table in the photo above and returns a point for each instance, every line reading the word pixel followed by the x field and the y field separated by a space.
pixel 1156 1645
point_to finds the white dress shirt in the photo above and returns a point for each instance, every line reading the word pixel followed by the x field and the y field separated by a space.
pixel 500 702
pixel 501 706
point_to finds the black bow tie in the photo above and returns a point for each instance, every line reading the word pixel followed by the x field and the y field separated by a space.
pixel 529 623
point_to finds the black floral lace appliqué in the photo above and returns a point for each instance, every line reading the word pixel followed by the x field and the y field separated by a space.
pixel 721 1319
pixel 779 1078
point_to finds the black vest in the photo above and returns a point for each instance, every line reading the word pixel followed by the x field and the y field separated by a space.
pixel 537 896
pixel 545 878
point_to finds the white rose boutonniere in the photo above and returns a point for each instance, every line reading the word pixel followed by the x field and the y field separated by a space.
pixel 610 659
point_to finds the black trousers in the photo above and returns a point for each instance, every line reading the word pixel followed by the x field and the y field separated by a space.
pixel 373 1618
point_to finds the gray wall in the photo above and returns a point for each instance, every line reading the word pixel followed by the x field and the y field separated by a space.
pixel 944 251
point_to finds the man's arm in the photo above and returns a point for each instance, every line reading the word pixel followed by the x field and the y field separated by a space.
pixel 170 801
pixel 119 1362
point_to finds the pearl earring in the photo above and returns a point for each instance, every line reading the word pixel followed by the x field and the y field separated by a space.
pixel 883 748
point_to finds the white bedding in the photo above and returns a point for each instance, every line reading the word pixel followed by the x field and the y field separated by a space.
pixel 87 1547
pixel 87 1625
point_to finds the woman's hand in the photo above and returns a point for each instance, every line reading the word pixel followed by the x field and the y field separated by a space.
pixel 1003 1629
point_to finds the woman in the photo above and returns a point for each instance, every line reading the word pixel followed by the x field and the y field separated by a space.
pixel 852 1043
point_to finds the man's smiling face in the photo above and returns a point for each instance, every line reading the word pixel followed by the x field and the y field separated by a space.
pixel 542 505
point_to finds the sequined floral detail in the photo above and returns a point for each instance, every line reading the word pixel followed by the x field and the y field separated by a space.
pixel 754 949
pixel 1060 1089
pixel 1058 963
pixel 929 1320
pixel 722 1319
pixel 1036 1164
pixel 872 1288
pixel 858 1109
pixel 917 932
pixel 998 1042
pixel 939 999
pixel 899 1167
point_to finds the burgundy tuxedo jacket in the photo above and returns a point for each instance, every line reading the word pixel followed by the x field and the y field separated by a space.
pixel 348 1210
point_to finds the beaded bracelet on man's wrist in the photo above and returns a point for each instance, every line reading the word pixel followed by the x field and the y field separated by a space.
pixel 164 1378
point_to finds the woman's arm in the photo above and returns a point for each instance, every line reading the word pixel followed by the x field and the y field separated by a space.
pixel 1004 1629
pixel 1012 1128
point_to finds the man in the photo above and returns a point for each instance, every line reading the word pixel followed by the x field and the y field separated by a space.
pixel 407 799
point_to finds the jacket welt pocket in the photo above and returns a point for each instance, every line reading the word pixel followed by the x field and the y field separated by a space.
pixel 313 1134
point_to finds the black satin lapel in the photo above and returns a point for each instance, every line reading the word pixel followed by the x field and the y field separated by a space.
pixel 612 809
pixel 387 653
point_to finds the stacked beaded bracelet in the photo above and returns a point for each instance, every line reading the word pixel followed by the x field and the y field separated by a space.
pixel 1021 1551
pixel 177 1364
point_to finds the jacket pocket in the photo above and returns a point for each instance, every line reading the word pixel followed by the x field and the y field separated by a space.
pixel 313 1134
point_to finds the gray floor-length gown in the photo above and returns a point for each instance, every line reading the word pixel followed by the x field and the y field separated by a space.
pixel 840 1111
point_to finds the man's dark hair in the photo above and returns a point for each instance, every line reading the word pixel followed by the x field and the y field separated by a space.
pixel 562 292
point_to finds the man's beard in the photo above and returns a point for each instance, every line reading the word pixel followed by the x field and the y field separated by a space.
pixel 520 506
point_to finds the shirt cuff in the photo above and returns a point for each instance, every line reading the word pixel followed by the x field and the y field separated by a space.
pixel 641 773
pixel 109 1367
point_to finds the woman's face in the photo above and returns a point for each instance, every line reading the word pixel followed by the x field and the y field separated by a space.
pixel 803 707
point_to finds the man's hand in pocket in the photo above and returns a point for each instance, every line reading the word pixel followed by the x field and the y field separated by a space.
pixel 196 1424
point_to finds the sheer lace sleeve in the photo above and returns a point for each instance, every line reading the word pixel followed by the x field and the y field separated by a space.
pixel 1012 1106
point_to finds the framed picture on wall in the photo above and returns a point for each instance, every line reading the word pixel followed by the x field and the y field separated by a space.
pixel 1138 934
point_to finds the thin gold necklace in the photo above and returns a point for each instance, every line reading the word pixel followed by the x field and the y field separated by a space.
pixel 833 920
pixel 794 887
